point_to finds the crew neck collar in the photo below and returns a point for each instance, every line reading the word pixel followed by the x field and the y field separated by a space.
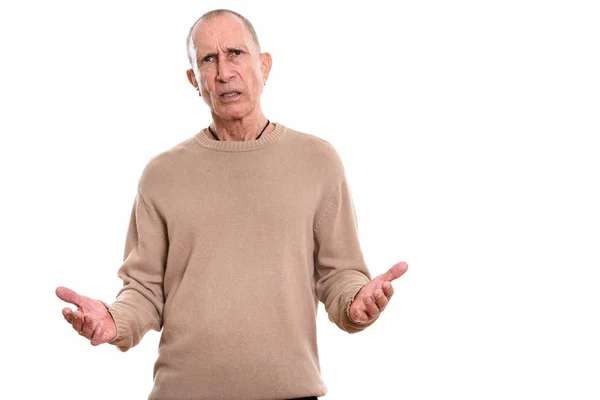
pixel 203 140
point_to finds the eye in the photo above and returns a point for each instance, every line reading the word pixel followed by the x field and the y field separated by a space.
pixel 207 59
pixel 236 52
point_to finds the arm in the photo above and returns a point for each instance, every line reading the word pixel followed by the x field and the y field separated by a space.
pixel 139 304
pixel 340 267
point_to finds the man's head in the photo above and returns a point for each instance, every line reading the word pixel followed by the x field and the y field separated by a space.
pixel 228 68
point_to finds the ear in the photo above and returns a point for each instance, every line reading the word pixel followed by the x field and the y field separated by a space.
pixel 265 64
pixel 192 78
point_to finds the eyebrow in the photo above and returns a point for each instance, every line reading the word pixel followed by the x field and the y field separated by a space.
pixel 228 49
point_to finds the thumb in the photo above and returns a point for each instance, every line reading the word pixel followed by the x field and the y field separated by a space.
pixel 396 271
pixel 69 296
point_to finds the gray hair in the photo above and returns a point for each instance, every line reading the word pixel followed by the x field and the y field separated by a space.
pixel 191 52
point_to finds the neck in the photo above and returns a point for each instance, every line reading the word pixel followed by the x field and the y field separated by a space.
pixel 239 130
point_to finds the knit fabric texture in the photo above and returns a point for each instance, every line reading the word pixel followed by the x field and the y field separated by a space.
pixel 230 247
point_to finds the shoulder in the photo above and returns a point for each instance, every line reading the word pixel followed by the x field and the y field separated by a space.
pixel 163 166
pixel 320 152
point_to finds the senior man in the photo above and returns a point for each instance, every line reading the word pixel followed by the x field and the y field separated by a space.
pixel 235 235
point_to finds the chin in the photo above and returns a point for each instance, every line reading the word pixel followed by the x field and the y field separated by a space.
pixel 233 111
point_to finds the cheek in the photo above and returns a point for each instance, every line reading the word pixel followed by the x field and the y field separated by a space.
pixel 205 87
pixel 256 80
pixel 204 84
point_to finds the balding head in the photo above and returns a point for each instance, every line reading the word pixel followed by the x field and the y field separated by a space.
pixel 191 48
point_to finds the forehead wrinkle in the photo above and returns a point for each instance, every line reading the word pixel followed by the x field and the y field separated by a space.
pixel 227 48
pixel 201 53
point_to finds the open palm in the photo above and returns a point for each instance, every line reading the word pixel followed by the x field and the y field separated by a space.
pixel 374 296
pixel 91 319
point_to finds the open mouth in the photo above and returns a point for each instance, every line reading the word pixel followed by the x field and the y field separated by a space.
pixel 229 95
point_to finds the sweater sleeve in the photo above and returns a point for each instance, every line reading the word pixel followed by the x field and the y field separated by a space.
pixel 340 267
pixel 139 304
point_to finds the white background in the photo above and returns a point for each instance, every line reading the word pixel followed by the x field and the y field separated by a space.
pixel 469 134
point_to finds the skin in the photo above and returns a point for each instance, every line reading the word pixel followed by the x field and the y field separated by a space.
pixel 227 60
pixel 91 319
pixel 374 297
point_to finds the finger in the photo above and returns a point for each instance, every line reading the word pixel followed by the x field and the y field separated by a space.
pixel 380 299
pixel 68 295
pixel 396 271
pixel 68 314
pixel 97 335
pixel 388 290
pixel 88 326
pixel 372 309
pixel 357 314
pixel 77 321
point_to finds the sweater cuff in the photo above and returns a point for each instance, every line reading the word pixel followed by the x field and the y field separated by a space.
pixel 122 339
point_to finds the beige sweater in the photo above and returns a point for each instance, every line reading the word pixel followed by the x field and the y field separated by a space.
pixel 230 247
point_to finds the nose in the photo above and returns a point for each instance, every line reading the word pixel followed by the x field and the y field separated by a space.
pixel 225 70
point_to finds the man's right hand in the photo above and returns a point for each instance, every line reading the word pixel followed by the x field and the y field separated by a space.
pixel 91 320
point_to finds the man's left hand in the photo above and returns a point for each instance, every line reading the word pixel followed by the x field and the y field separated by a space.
pixel 372 299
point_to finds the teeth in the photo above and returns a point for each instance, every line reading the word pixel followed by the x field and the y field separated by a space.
pixel 229 94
